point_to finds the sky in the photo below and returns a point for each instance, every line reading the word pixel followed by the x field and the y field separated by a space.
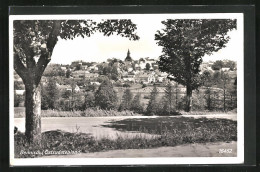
pixel 99 48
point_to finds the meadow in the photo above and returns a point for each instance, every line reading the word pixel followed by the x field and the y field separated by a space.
pixel 166 131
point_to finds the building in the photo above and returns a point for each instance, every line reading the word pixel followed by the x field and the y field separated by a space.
pixel 129 77
pixel 84 74
pixel 145 78
pixel 128 57
pixel 95 83
pixel 224 69
pixel 68 88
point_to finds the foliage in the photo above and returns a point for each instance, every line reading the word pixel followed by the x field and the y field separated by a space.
pixel 169 97
pixel 169 132
pixel 18 85
pixel 152 106
pixel 126 100
pixel 68 73
pixel 50 95
pixel 114 73
pixel 198 100
pixel 53 70
pixel 217 65
pixel 89 112
pixel 78 101
pixel 78 67
pixel 207 78
pixel 18 99
pixel 105 96
pixel 66 94
pixel 136 104
pixel 230 64
pixel 89 100
pixel 208 99
pixel 185 42
pixel 147 66
pixel 34 42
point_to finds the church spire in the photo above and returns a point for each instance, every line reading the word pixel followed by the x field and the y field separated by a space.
pixel 128 57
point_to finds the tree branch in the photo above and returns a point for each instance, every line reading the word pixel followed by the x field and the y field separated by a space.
pixel 19 67
pixel 41 65
pixel 45 57
pixel 53 36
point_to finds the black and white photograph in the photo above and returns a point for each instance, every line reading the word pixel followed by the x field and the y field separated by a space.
pixel 126 89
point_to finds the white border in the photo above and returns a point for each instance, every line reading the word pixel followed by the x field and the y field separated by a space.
pixel 135 161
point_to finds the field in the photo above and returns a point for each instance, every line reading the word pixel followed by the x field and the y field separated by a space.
pixel 19 112
pixel 95 134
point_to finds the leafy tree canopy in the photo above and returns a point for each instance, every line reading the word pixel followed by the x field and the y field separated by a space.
pixel 34 40
pixel 186 41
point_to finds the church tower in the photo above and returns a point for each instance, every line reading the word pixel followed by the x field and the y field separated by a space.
pixel 128 57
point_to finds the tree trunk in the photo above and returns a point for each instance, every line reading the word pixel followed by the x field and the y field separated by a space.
pixel 224 100
pixel 188 98
pixel 33 113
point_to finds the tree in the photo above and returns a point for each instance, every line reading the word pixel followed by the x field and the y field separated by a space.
pixel 126 102
pixel 223 82
pixel 147 66
pixel 169 99
pixel 230 64
pixel 114 73
pixel 209 99
pixel 36 39
pixel 78 66
pixel 50 95
pixel 177 95
pixel 105 96
pixel 136 104
pixel 207 78
pixel 232 89
pixel 217 65
pixel 185 42
pixel 68 73
pixel 89 100
pixel 152 105
pixel 53 70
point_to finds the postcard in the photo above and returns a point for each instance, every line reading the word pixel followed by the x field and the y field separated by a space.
pixel 126 89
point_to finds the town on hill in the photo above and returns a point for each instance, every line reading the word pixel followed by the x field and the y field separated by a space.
pixel 139 76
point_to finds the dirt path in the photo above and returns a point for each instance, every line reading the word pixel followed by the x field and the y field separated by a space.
pixel 189 150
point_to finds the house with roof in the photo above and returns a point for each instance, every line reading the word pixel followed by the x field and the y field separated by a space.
pixel 69 88
pixel 95 83
pixel 224 69
pixel 84 74
pixel 145 78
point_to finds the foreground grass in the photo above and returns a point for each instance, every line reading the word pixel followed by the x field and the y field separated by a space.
pixel 20 113
pixel 169 132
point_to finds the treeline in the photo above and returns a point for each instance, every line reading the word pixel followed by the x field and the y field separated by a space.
pixel 170 103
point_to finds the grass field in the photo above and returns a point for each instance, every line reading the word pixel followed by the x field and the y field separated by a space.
pixel 168 131
pixel 19 112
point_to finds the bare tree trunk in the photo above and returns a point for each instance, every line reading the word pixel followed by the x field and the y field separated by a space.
pixel 188 98
pixel 33 113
